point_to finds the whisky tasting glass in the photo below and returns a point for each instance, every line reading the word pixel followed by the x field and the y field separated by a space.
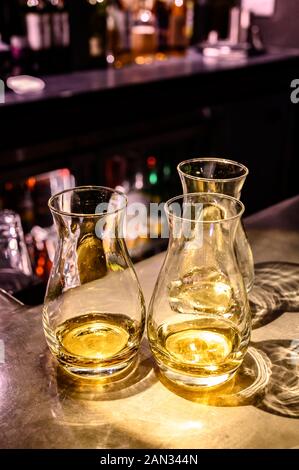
pixel 223 176
pixel 94 311
pixel 199 320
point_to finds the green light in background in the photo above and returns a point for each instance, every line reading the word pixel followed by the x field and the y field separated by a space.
pixel 153 177
pixel 167 170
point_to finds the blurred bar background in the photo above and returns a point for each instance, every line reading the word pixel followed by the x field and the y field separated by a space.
pixel 118 92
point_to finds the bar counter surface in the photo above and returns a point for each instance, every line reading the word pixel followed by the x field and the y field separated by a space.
pixel 103 100
pixel 95 81
pixel 42 407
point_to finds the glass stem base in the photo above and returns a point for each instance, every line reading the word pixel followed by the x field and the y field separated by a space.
pixel 112 372
pixel 195 382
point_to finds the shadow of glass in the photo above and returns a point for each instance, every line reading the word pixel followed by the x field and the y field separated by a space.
pixel 275 291
pixel 282 391
pixel 77 401
pixel 247 387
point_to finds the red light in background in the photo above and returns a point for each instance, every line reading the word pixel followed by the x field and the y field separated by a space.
pixel 39 271
pixel 64 172
pixel 41 262
pixel 31 182
pixel 151 162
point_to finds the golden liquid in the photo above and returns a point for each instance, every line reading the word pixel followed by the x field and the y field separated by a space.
pixel 199 347
pixel 97 339
pixel 200 338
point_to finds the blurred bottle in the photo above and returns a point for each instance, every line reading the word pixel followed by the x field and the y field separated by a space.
pixel 202 21
pixel 177 26
pixel 189 21
pixel 20 56
pixel 220 16
pixel 119 19
pixel 14 58
pixel 42 244
pixel 212 15
pixel 38 24
pixel 255 40
pixel 5 59
pixel 152 180
pixel 144 35
pixel 17 197
pixel 60 23
pixel 26 207
pixel 60 32
pixel 43 237
pixel 162 12
pixel 140 179
pixel 97 33
pixel 15 266
pixel 5 10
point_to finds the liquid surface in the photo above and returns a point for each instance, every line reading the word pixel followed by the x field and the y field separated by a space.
pixel 96 336
pixel 200 346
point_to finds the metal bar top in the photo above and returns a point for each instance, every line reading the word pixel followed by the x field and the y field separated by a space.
pixel 42 407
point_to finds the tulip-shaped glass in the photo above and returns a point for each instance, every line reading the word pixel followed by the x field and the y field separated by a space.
pixel 199 320
pixel 94 311
pixel 218 175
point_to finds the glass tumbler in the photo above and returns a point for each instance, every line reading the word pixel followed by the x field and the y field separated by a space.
pixel 94 311
pixel 223 176
pixel 199 321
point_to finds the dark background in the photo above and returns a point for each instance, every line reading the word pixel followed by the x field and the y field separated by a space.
pixel 107 134
pixel 245 115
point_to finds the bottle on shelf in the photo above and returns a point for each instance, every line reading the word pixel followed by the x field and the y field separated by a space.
pixel 118 33
pixel 38 23
pixel 60 23
pixel 177 26
pixel 162 11
pixel 220 16
pixel 4 21
pixel 144 37
pixel 97 33
pixel 202 21
pixel 60 33
pixel 5 60
pixel 189 21
pixel 13 47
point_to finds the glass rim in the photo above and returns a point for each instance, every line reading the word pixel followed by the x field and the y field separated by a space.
pixel 217 160
pixel 219 195
pixel 82 189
